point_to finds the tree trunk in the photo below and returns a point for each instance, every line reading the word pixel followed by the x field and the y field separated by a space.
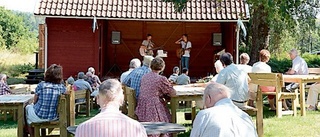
pixel 260 32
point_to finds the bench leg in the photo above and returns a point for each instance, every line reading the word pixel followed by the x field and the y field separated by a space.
pixel 36 131
pixel 43 132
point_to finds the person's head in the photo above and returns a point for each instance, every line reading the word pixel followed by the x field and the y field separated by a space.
pixel 244 58
pixel 149 36
pixel 176 70
pixel 81 75
pixel 226 59
pixel 54 74
pixel 157 64
pixel 185 37
pixel 264 55
pixel 185 71
pixel 147 60
pixel 110 93
pixel 293 54
pixel 89 74
pixel 70 80
pixel 218 65
pixel 135 63
pixel 3 77
pixel 213 93
pixel 91 69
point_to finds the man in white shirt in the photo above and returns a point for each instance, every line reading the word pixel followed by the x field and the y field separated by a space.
pixel 186 47
pixel 244 60
pixel 299 67
pixel 221 118
pixel 134 63
pixel 235 79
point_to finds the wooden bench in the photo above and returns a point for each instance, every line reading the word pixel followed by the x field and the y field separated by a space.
pixel 275 79
pixel 82 94
pixel 62 123
pixel 132 102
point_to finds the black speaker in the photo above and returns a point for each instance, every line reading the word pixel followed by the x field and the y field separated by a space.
pixel 217 39
pixel 115 37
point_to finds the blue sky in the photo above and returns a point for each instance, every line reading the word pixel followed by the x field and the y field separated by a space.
pixel 20 5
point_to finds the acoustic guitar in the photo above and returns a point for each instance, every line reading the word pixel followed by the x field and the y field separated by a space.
pixel 180 52
pixel 144 51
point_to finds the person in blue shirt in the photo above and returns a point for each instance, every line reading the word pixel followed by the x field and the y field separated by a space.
pixel 133 80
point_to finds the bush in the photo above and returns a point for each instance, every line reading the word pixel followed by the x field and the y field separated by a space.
pixel 19 69
pixel 281 65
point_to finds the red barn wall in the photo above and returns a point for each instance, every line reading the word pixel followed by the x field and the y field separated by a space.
pixel 72 44
pixel 166 33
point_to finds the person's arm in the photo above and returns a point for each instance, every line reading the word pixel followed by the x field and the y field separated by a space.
pixel 189 46
pixel 35 98
pixel 221 78
pixel 291 71
pixel 178 41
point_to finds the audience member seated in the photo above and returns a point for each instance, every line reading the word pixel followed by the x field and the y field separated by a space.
pixel 93 83
pixel 244 60
pixel 95 77
pixel 46 97
pixel 81 84
pixel 134 63
pixel 173 77
pixel 218 66
pixel 235 79
pixel 70 80
pixel 299 67
pixel 263 67
pixel 221 118
pixel 134 78
pixel 154 95
pixel 313 96
pixel 183 79
pixel 4 88
pixel 110 122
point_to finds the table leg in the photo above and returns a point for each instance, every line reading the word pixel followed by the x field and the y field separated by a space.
pixel 259 120
pixel 302 99
pixel 174 110
pixel 20 120
pixel 193 110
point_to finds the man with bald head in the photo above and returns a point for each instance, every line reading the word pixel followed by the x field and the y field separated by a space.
pixel 221 118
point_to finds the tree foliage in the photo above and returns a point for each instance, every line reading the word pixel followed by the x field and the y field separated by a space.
pixel 17 31
pixel 273 20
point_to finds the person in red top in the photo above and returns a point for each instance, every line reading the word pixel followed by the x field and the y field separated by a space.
pixel 154 92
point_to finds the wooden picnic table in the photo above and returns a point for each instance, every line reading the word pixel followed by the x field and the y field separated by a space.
pixel 17 102
pixel 152 128
pixel 302 80
pixel 185 93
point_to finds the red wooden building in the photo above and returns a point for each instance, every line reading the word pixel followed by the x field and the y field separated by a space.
pixel 70 38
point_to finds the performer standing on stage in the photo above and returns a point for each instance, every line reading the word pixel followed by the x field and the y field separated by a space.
pixel 185 49
pixel 146 46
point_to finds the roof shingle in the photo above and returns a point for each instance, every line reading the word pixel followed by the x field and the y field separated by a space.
pixel 145 9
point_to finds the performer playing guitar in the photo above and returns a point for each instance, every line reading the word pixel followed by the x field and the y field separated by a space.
pixel 146 46
pixel 184 52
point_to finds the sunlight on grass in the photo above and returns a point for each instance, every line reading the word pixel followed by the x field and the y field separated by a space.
pixel 10 58
pixel 273 127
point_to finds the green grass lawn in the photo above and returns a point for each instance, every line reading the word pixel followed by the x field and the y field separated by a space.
pixel 287 126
